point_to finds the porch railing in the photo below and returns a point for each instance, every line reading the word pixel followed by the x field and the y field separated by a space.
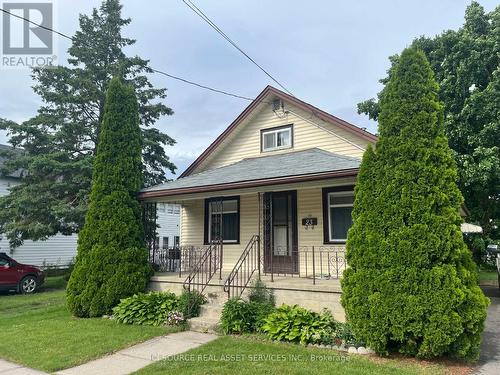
pixel 245 268
pixel 178 259
pixel 205 268
pixel 315 263
pixel 312 262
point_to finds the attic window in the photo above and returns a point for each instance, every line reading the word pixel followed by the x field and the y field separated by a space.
pixel 276 138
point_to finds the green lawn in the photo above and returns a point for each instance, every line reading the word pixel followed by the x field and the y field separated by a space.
pixel 486 275
pixel 232 355
pixel 54 282
pixel 38 331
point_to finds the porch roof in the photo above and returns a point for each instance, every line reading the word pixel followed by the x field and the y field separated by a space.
pixel 265 170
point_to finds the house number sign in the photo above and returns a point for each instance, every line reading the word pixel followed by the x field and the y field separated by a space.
pixel 310 222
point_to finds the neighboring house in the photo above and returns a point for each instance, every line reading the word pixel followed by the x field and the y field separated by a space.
pixel 277 186
pixel 168 232
pixel 60 250
pixel 57 251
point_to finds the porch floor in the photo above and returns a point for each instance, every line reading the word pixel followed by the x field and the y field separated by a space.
pixel 279 282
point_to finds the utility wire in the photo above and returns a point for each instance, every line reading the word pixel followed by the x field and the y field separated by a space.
pixel 212 24
pixel 152 69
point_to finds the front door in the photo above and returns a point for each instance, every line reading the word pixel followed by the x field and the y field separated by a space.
pixel 280 232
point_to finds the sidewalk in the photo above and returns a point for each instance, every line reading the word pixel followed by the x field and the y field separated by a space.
pixel 127 360
pixel 136 357
pixel 489 362
pixel 9 368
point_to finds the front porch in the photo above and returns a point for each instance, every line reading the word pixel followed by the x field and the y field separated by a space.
pixel 282 219
pixel 323 293
pixel 275 234
pixel 312 265
pixel 286 283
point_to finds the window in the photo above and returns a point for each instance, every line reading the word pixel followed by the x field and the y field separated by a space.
pixel 165 242
pixel 177 209
pixel 337 211
pixel 161 207
pixel 4 262
pixel 170 209
pixel 277 138
pixel 222 217
pixel 176 241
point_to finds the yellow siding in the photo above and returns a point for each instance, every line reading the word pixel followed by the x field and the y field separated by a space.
pixel 244 142
pixel 192 226
pixel 192 222
pixel 308 204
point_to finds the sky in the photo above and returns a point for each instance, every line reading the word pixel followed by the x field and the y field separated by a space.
pixel 328 53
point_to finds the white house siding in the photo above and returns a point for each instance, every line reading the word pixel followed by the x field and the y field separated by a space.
pixel 60 250
pixel 57 251
pixel 168 219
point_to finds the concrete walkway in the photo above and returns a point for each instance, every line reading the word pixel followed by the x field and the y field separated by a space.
pixel 9 368
pixel 127 360
pixel 489 361
pixel 138 356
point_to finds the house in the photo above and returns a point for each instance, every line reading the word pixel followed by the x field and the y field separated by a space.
pixel 271 197
pixel 60 250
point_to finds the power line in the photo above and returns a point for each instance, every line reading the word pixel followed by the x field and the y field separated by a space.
pixel 152 69
pixel 201 86
pixel 212 24
pixel 156 70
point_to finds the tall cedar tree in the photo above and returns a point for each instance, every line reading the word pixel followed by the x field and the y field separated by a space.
pixel 466 64
pixel 59 144
pixel 412 285
pixel 112 261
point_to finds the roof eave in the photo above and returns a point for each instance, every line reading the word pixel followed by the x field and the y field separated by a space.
pixel 249 183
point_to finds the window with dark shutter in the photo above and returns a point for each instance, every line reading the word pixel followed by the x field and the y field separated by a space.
pixel 222 219
pixel 337 213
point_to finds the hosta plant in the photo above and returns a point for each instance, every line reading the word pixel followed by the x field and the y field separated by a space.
pixel 147 309
pixel 297 324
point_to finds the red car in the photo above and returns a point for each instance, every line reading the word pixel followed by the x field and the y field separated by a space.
pixel 19 277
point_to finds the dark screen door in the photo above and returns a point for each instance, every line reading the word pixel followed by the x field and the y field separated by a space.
pixel 280 232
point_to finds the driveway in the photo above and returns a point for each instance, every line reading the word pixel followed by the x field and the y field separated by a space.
pixel 489 362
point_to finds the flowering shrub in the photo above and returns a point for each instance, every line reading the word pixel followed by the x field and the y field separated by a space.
pixel 175 318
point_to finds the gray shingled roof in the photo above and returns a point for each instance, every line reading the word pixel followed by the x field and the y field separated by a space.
pixel 280 165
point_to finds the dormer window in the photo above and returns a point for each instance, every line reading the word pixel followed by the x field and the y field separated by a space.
pixel 276 138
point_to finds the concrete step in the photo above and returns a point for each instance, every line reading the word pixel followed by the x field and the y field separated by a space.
pixel 216 298
pixel 210 314
pixel 209 310
pixel 204 324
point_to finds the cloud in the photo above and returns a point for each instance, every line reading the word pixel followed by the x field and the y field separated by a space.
pixel 331 54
